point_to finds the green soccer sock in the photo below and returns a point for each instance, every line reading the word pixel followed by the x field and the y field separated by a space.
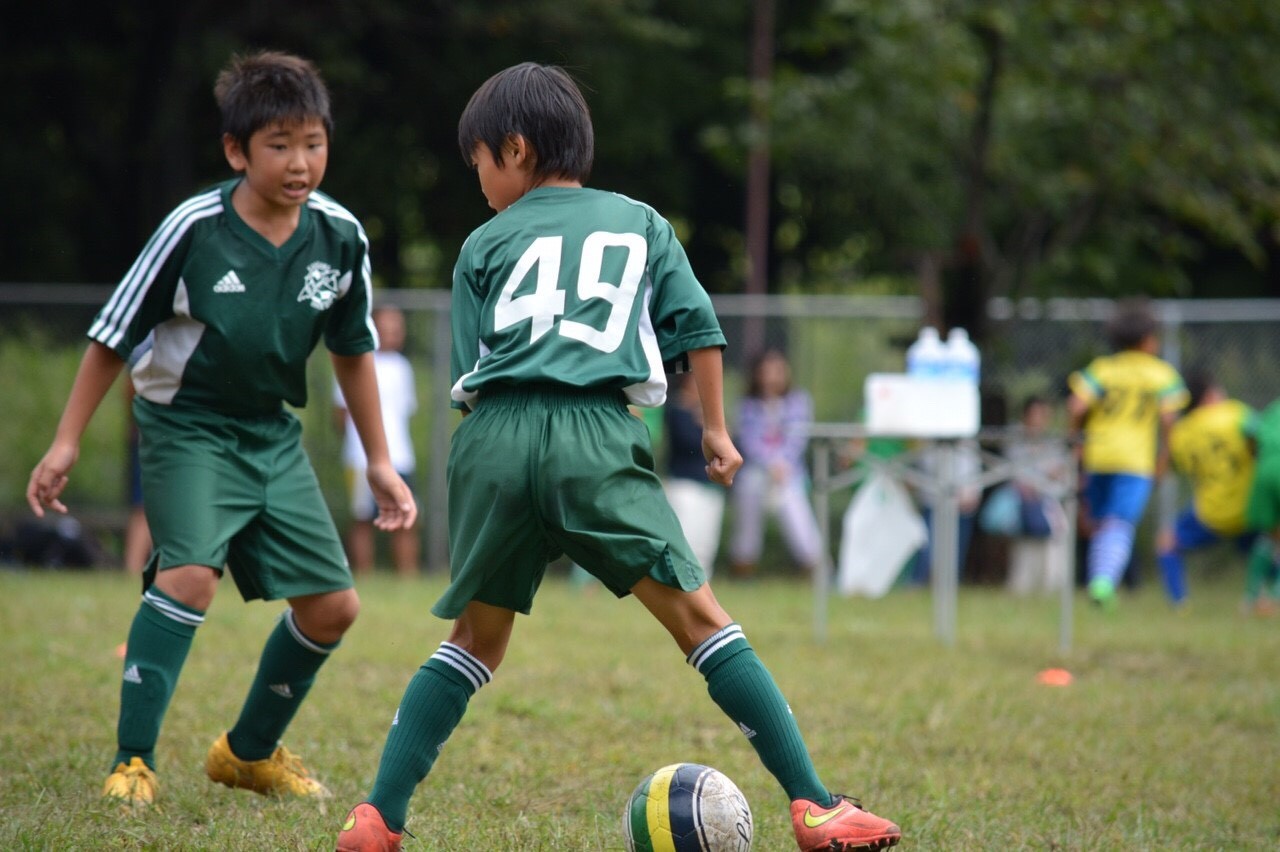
pixel 285 674
pixel 159 640
pixel 743 688
pixel 433 704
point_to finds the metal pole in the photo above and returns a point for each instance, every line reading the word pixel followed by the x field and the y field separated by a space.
pixel 1167 486
pixel 1071 503
pixel 758 166
pixel 822 507
pixel 435 511
pixel 945 547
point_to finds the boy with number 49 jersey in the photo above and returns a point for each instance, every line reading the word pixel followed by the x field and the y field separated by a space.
pixel 217 318
pixel 566 304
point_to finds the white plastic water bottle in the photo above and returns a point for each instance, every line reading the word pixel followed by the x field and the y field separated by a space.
pixel 928 356
pixel 964 362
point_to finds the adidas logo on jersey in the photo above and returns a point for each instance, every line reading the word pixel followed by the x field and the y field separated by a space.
pixel 229 283
pixel 132 675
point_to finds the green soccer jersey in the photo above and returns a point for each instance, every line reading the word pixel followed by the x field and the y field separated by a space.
pixel 575 287
pixel 212 315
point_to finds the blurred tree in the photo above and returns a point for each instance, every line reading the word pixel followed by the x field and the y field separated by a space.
pixel 111 121
pixel 1026 148
pixel 1019 147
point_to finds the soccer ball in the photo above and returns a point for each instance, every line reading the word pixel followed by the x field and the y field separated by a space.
pixel 687 807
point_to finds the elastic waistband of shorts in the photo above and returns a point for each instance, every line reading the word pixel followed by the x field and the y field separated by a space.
pixel 548 395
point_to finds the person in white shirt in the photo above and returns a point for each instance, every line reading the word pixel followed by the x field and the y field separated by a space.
pixel 399 402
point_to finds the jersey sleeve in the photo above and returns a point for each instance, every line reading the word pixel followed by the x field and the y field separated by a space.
pixel 464 321
pixel 1173 394
pixel 1085 384
pixel 350 330
pixel 682 314
pixel 145 297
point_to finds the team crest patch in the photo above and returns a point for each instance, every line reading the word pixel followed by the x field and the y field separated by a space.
pixel 319 286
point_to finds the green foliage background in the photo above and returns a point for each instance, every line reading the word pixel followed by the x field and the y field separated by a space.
pixel 1077 148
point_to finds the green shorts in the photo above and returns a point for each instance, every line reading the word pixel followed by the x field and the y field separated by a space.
pixel 542 471
pixel 237 492
pixel 1264 496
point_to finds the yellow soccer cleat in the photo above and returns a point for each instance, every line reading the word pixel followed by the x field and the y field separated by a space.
pixel 281 774
pixel 134 785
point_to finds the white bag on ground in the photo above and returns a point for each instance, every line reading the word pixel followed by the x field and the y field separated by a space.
pixel 881 530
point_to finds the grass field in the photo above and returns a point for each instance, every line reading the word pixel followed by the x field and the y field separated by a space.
pixel 1169 738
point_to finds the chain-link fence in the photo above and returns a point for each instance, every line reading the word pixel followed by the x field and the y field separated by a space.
pixel 833 343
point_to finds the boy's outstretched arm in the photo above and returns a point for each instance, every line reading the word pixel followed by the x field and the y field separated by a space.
pixel 723 458
pixel 359 383
pixel 98 370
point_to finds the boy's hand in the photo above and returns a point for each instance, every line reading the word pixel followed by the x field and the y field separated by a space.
pixel 396 508
pixel 723 458
pixel 50 477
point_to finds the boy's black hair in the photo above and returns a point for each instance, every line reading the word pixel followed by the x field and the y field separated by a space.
pixel 1199 381
pixel 258 89
pixel 1132 323
pixel 543 104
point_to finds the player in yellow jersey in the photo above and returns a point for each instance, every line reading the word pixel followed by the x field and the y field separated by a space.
pixel 1214 445
pixel 1124 403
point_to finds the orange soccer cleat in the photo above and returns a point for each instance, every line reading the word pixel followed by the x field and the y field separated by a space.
pixel 843 827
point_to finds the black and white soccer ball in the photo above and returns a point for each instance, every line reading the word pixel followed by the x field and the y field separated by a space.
pixel 687 807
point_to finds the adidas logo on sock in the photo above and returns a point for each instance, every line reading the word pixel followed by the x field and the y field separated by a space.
pixel 745 730
pixel 229 283
pixel 396 720
pixel 281 689
pixel 132 675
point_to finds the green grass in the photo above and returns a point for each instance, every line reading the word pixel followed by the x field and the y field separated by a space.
pixel 1168 739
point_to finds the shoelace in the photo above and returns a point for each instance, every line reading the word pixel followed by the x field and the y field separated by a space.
pixel 853 800
pixel 291 762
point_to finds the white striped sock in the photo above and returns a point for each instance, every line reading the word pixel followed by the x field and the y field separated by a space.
pixel 458 658
pixel 713 643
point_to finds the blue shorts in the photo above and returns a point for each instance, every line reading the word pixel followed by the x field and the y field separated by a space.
pixel 1190 533
pixel 1118 495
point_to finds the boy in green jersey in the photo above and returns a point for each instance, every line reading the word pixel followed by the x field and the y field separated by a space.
pixel 1263 511
pixel 216 319
pixel 566 306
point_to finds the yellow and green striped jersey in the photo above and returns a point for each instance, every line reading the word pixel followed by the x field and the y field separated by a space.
pixel 1211 445
pixel 1127 393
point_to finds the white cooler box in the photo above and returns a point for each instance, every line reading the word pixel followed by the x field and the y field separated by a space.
pixel 921 407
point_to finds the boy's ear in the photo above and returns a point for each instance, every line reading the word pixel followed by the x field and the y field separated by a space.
pixel 236 156
pixel 518 150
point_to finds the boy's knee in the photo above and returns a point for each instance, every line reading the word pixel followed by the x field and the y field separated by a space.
pixel 325 618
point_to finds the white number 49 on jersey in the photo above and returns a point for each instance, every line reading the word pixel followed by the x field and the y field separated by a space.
pixel 545 304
